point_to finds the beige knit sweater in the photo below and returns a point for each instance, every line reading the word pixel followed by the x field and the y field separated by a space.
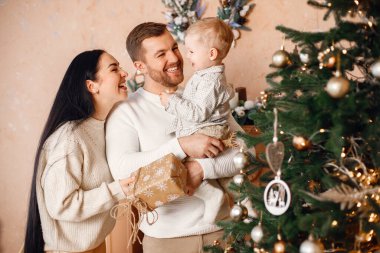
pixel 75 190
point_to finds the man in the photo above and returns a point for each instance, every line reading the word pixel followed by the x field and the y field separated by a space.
pixel 136 135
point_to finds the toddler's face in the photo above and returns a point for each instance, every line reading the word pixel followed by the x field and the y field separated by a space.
pixel 197 53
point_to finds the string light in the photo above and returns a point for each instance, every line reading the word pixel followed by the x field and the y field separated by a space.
pixel 373 217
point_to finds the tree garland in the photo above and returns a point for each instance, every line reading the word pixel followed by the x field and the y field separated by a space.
pixel 234 13
pixel 182 13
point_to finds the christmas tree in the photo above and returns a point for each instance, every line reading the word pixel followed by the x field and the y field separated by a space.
pixel 319 185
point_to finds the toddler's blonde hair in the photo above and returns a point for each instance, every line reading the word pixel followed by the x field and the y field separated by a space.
pixel 214 33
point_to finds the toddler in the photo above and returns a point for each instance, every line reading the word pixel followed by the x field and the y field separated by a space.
pixel 203 107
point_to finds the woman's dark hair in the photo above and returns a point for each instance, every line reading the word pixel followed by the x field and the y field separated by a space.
pixel 72 102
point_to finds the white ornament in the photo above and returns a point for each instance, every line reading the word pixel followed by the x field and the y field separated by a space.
pixel 240 113
pixel 375 68
pixel 178 20
pixel 309 246
pixel 239 108
pixel 257 233
pixel 277 196
pixel 305 58
pixel 239 179
pixel 249 104
pixel 240 160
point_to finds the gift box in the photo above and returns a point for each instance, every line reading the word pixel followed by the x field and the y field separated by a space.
pixel 160 182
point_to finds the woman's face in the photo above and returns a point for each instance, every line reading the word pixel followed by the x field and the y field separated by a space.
pixel 111 81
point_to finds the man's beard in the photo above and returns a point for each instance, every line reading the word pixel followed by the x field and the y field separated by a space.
pixel 164 79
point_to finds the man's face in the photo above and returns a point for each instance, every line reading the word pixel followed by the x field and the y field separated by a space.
pixel 162 60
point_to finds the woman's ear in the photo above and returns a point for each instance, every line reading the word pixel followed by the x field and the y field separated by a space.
pixel 213 54
pixel 140 66
pixel 92 87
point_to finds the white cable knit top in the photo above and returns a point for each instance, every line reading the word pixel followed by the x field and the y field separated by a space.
pixel 135 136
pixel 75 189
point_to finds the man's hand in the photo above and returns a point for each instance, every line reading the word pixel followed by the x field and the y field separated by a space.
pixel 194 176
pixel 200 146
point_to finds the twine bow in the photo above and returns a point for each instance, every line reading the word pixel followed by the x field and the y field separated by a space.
pixel 142 207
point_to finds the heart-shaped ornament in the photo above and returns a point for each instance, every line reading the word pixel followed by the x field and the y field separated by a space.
pixel 275 155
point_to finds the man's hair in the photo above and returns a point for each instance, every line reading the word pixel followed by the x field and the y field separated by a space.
pixel 139 34
pixel 214 33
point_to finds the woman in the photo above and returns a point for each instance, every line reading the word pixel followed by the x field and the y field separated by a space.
pixel 72 188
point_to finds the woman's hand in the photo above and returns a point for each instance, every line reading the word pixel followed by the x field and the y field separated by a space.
pixel 200 146
pixel 126 185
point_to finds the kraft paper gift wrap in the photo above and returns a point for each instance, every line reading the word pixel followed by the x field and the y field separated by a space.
pixel 160 182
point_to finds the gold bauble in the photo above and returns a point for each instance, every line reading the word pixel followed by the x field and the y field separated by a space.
pixel 337 87
pixel 224 3
pixel 330 63
pixel 281 59
pixel 313 185
pixel 300 143
pixel 279 247
pixel 229 249
pixel 216 243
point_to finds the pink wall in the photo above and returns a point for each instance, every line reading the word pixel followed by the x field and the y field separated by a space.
pixel 39 38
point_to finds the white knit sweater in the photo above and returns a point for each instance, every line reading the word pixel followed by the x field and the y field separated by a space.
pixel 75 189
pixel 135 136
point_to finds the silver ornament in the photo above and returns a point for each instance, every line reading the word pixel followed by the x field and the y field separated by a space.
pixel 309 246
pixel 281 59
pixel 305 58
pixel 241 160
pixel 375 68
pixel 337 87
pixel 238 212
pixel 257 233
pixel 239 179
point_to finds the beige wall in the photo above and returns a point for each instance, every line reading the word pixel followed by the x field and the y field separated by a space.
pixel 39 38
